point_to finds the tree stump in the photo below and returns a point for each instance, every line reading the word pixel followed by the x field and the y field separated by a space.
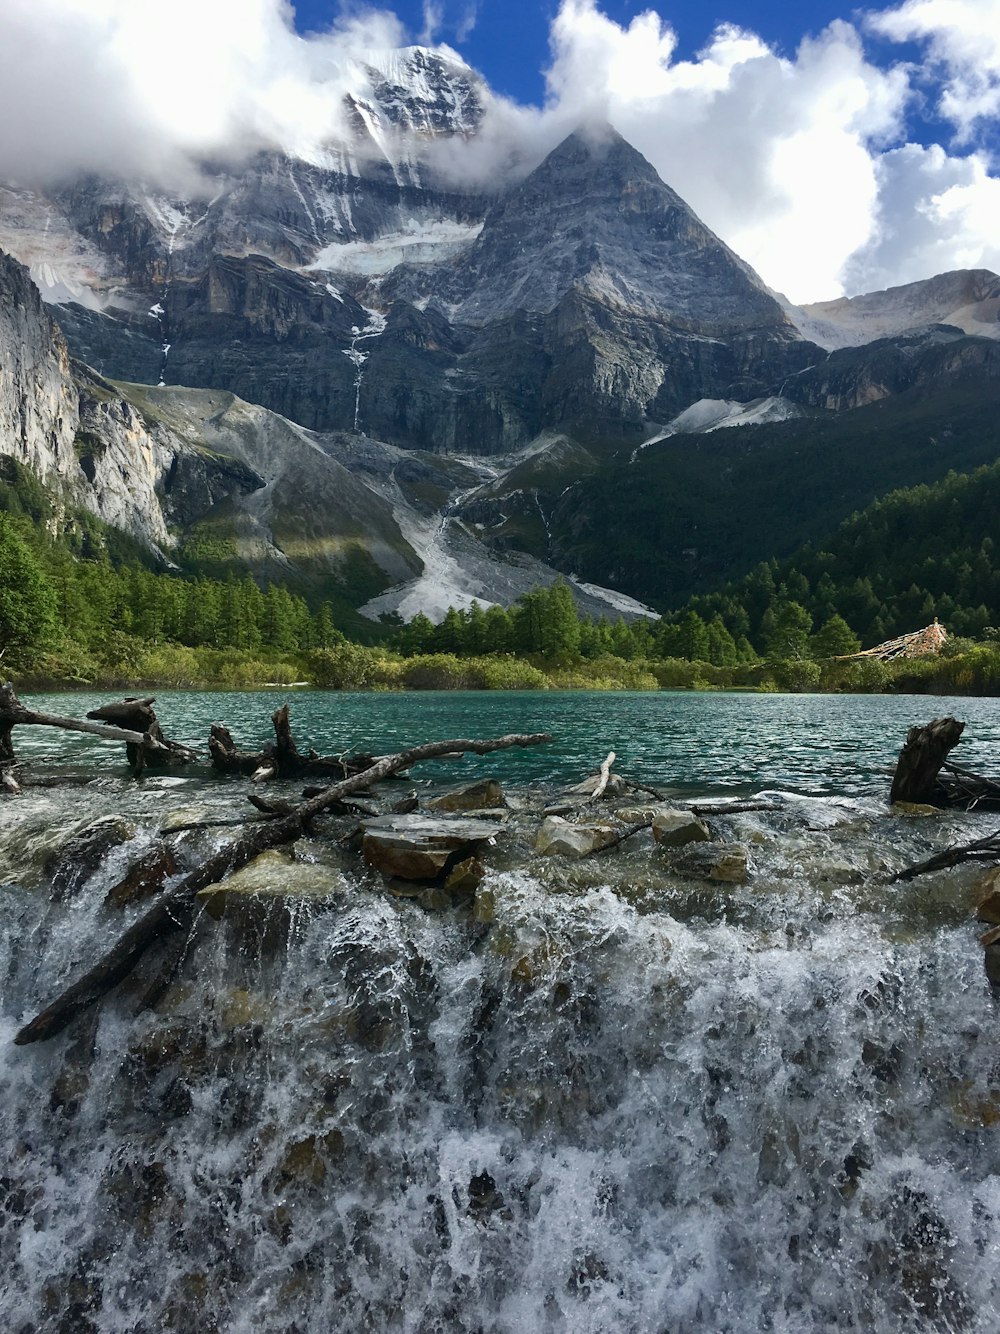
pixel 925 750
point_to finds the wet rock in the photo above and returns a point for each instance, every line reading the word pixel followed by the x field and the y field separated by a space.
pixel 415 847
pixel 642 813
pixel 275 876
pixel 485 1200
pixel 183 817
pixel 673 828
pixel 485 907
pixel 144 879
pixel 915 809
pixel 77 860
pixel 484 795
pixel 991 955
pixel 560 838
pixel 727 863
pixel 464 876
pixel 988 909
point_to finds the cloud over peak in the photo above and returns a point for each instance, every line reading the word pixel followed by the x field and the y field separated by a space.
pixel 800 162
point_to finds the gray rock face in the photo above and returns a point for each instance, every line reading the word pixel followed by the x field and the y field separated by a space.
pixel 930 357
pixel 371 291
pixel 39 410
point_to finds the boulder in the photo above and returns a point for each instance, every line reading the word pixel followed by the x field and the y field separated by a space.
pixel 727 863
pixel 484 795
pixel 672 828
pixel 915 809
pixel 144 878
pixel 77 860
pixel 560 838
pixel 415 847
pixel 275 878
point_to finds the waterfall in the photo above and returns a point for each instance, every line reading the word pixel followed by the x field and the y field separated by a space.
pixel 373 329
pixel 602 1096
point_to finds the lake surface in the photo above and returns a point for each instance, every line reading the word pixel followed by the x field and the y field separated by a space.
pixel 838 744
pixel 611 1096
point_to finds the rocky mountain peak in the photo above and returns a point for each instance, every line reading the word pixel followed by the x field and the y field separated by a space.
pixel 594 216
pixel 425 92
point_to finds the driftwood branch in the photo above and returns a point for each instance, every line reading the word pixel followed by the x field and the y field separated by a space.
pixel 176 910
pixel 13 713
pixel 603 776
pixel 620 838
pixel 982 850
pixel 132 721
pixel 280 758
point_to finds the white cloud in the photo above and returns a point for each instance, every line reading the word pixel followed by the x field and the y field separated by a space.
pixel 963 49
pixel 936 213
pixel 799 162
pixel 139 88
pixel 433 12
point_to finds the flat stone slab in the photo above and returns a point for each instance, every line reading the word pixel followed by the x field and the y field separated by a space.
pixel 421 847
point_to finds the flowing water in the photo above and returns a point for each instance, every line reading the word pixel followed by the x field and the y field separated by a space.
pixel 609 1095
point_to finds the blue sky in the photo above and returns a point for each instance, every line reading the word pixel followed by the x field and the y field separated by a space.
pixel 508 40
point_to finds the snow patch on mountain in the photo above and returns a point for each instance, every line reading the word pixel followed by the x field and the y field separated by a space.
pixel 419 243
pixel 714 414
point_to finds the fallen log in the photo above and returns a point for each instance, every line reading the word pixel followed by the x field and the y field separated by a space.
pixel 924 752
pixel 603 776
pixel 280 758
pixel 175 911
pixel 141 747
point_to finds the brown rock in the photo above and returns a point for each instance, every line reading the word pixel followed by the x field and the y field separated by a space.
pixel 416 847
pixel 464 877
pixel 484 795
pixel 146 878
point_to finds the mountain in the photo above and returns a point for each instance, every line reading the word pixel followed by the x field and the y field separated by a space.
pixel 388 382
pixel 967 299
pixel 364 293
pixel 206 481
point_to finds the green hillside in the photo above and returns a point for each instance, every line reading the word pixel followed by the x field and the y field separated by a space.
pixel 696 511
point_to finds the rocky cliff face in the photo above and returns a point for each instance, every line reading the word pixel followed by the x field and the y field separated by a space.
pixel 967 299
pixel 335 514
pixel 39 410
pixel 929 360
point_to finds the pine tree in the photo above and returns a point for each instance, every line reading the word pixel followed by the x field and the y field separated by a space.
pixel 27 601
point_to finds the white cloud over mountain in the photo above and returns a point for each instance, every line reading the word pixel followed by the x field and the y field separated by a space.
pixel 800 162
